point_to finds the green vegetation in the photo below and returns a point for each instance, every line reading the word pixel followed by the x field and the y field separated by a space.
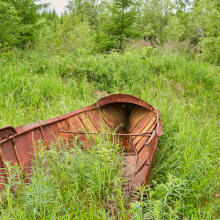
pixel 162 51
pixel 185 177
pixel 101 26
pixel 67 183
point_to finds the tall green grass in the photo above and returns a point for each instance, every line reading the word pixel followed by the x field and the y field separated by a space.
pixel 184 182
pixel 29 95
pixel 68 183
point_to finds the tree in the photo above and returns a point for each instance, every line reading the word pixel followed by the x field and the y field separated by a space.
pixel 183 5
pixel 50 15
pixel 174 30
pixel 155 16
pixel 122 15
pixel 29 14
pixel 206 20
pixel 86 10
pixel 9 21
pixel 19 20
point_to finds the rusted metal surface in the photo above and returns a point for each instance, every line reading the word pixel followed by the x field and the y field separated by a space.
pixel 6 132
pixel 137 124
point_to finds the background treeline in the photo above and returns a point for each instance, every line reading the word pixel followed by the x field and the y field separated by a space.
pixel 100 26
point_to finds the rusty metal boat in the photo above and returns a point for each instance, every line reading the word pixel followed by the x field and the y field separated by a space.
pixel 136 124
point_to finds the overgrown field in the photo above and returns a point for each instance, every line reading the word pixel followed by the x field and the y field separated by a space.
pixel 185 179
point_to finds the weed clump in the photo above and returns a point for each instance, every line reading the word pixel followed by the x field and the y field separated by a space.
pixel 69 182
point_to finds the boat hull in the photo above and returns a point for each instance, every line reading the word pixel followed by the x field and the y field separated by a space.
pixel 135 122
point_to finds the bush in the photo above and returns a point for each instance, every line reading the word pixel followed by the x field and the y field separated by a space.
pixel 210 50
